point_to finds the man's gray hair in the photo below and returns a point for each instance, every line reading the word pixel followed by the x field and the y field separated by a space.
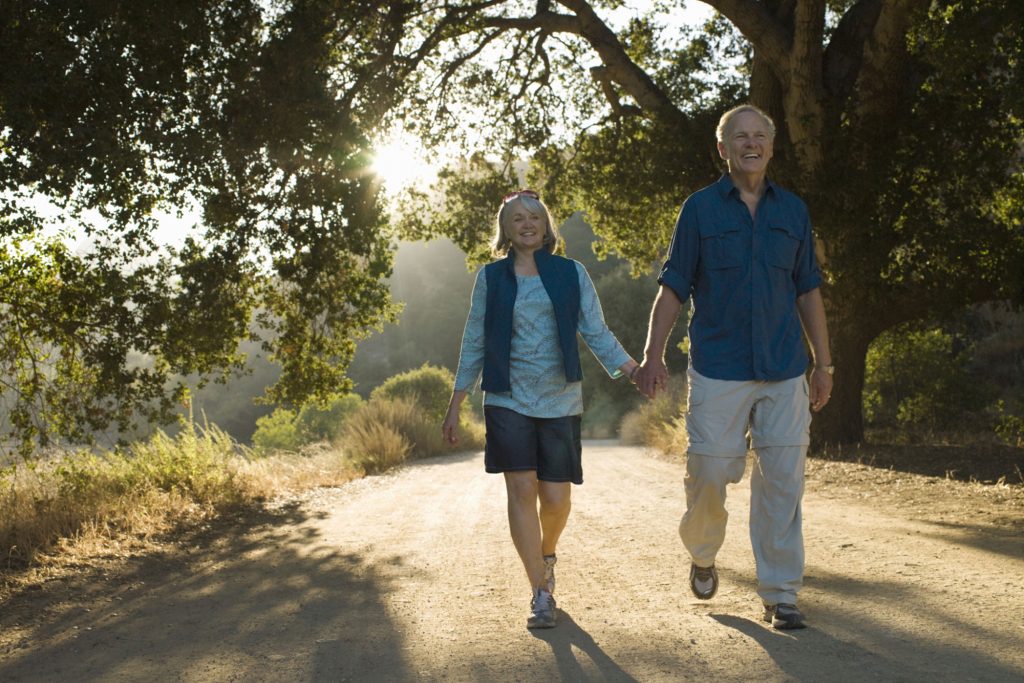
pixel 723 123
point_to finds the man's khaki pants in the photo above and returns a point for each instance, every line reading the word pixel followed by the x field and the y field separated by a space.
pixel 776 416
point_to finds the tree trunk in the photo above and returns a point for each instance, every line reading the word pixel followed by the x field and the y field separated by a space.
pixel 842 420
pixel 851 332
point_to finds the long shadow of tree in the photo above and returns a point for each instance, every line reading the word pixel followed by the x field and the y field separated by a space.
pixel 261 602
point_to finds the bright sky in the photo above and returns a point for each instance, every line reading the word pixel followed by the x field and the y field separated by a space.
pixel 401 161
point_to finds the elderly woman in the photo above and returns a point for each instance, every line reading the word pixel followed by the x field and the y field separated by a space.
pixel 526 311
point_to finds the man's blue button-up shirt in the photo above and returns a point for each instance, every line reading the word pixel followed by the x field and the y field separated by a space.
pixel 743 275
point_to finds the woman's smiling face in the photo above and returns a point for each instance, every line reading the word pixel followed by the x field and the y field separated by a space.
pixel 524 228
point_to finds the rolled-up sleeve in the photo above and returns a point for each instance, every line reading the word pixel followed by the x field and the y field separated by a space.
pixel 807 275
pixel 471 355
pixel 592 327
pixel 680 268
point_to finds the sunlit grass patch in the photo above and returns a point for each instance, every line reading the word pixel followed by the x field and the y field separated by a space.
pixel 89 499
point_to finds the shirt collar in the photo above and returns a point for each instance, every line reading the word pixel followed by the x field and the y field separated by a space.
pixel 726 187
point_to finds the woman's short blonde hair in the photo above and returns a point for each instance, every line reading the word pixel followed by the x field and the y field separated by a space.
pixel 502 244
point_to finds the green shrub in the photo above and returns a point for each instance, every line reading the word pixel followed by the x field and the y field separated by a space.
pixel 326 423
pixel 286 430
pixel 919 378
pixel 278 431
pixel 430 387
pixel 1010 423
pixel 195 463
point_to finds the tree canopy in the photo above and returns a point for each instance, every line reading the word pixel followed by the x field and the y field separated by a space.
pixel 900 122
pixel 260 122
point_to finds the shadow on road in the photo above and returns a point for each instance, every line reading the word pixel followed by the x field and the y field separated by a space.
pixel 261 602
pixel 865 646
pixel 1008 542
pixel 569 634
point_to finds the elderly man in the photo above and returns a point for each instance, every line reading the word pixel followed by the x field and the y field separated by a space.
pixel 743 252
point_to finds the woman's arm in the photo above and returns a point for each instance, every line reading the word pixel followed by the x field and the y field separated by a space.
pixel 592 327
pixel 471 359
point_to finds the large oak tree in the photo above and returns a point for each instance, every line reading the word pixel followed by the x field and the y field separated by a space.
pixel 900 122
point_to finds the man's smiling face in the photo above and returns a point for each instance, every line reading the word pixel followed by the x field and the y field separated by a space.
pixel 748 144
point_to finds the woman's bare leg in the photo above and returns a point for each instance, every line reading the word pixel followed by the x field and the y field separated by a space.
pixel 524 523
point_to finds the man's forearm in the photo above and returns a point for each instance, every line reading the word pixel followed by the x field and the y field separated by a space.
pixel 811 308
pixel 663 318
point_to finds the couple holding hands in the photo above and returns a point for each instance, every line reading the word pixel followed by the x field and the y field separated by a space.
pixel 743 254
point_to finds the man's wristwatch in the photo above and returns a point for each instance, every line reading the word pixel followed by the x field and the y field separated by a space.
pixel 830 369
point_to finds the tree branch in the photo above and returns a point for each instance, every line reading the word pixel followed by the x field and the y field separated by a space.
pixel 769 38
pixel 885 55
pixel 600 74
pixel 845 51
pixel 621 68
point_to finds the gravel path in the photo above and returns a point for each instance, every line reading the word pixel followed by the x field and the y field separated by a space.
pixel 412 577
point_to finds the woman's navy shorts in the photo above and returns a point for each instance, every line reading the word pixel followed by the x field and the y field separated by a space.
pixel 549 445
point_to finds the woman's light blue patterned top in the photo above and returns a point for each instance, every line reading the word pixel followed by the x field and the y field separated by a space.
pixel 537 372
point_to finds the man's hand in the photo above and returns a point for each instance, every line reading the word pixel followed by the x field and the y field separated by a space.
pixel 820 389
pixel 652 377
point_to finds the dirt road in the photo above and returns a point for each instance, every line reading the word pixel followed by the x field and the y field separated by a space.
pixel 411 576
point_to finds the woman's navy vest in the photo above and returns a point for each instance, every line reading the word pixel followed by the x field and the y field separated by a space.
pixel 562 284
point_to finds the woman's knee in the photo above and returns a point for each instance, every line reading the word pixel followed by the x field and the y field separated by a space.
pixel 555 496
pixel 522 486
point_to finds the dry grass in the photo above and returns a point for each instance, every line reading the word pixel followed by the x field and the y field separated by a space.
pixel 383 432
pixel 376 447
pixel 658 423
pixel 87 500
pixel 78 502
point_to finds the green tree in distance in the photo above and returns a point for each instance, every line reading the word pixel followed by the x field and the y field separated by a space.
pixel 260 119
pixel 899 121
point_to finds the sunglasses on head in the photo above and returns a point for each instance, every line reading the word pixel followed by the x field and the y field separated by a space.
pixel 532 194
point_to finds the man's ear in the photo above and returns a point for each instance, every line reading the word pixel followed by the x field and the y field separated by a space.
pixel 721 151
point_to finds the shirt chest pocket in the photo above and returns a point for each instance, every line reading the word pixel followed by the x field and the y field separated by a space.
pixel 720 247
pixel 783 245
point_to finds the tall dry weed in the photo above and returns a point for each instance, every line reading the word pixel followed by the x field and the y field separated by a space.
pixel 139 491
pixel 85 499
pixel 386 431
pixel 658 423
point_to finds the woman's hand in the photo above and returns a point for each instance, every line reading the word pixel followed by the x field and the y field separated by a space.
pixel 450 426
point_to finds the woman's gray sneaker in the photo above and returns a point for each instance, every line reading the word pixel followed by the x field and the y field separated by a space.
pixel 543 610
pixel 784 616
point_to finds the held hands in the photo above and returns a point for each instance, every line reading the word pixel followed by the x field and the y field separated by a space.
pixel 651 377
